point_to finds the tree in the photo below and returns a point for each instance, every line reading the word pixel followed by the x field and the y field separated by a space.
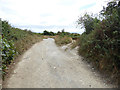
pixel 63 30
pixel 51 33
pixel 58 33
pixel 87 22
pixel 48 33
pixel 112 15
pixel 45 32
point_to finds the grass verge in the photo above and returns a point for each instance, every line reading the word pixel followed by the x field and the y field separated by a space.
pixel 15 42
pixel 62 40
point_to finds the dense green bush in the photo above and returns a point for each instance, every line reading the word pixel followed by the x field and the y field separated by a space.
pixel 8 53
pixel 102 45
pixel 0 54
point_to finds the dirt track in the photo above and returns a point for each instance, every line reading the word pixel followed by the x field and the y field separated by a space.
pixel 47 66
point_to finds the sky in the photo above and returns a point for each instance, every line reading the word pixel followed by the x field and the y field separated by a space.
pixel 51 15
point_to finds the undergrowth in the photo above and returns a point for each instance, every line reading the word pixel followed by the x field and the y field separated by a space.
pixel 101 44
pixel 62 40
pixel 14 43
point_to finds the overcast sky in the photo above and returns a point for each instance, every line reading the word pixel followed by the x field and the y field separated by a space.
pixel 51 15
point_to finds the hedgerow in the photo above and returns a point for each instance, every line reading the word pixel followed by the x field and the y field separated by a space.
pixel 101 44
pixel 14 42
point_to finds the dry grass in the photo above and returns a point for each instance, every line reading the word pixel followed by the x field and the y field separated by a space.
pixel 75 44
pixel 25 43
pixel 62 40
pixel 45 36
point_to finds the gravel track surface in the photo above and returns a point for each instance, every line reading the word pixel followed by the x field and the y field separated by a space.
pixel 45 65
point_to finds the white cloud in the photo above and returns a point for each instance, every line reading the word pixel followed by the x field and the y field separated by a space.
pixel 47 12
